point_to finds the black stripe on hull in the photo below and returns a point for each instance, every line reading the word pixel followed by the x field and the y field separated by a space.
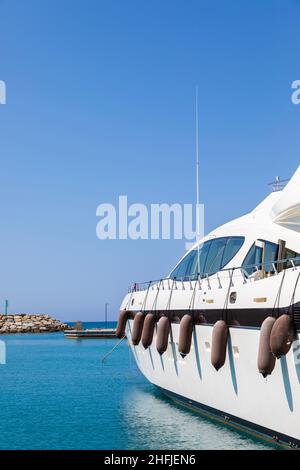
pixel 240 424
pixel 248 317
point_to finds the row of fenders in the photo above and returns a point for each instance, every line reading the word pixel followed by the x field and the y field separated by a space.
pixel 276 336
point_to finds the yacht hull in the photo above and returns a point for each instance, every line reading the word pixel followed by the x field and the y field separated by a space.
pixel 236 394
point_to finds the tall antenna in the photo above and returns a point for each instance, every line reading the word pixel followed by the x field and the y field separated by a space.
pixel 197 175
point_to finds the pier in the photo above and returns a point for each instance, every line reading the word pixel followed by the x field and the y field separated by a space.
pixel 92 333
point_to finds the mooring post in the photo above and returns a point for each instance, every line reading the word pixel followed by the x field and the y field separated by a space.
pixel 106 305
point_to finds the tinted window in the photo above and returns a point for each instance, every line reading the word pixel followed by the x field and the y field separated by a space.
pixel 200 259
pixel 261 253
pixel 253 259
pixel 270 255
pixel 180 272
pixel 213 255
pixel 289 254
pixel 204 252
pixel 232 247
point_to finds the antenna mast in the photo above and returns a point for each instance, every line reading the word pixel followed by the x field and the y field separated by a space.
pixel 197 175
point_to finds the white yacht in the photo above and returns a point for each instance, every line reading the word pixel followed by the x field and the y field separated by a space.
pixel 219 334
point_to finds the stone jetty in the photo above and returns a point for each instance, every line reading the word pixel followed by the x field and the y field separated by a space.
pixel 30 323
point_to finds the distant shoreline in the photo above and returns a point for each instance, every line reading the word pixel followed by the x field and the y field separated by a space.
pixel 30 323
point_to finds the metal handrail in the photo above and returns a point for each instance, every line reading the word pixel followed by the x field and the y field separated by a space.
pixel 201 277
pixel 278 184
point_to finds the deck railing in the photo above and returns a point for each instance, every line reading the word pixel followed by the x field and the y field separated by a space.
pixel 257 271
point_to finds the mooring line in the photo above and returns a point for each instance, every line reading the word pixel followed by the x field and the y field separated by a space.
pixel 112 350
pixel 277 300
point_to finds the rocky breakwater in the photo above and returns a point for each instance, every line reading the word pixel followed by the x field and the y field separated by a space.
pixel 27 323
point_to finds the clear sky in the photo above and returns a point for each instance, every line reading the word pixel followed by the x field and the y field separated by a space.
pixel 100 103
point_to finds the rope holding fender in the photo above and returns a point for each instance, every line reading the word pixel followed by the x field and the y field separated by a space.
pixel 291 306
pixel 225 310
pixel 277 299
pixel 145 298
pixel 168 307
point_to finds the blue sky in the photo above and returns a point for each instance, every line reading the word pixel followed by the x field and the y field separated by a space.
pixel 100 102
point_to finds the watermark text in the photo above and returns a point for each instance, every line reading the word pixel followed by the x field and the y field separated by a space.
pixel 2 352
pixel 295 97
pixel 154 222
pixel 2 92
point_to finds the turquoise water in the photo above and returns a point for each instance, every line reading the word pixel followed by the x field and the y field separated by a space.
pixel 56 394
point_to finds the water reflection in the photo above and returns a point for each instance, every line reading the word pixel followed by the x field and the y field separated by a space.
pixel 155 422
pixel 232 366
pixel 286 382
pixel 67 398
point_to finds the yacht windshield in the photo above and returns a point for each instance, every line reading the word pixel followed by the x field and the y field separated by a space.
pixel 211 256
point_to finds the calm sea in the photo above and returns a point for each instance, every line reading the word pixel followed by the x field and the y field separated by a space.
pixel 56 394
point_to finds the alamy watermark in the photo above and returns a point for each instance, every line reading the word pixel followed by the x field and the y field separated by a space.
pixel 2 92
pixel 2 352
pixel 154 222
pixel 295 97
